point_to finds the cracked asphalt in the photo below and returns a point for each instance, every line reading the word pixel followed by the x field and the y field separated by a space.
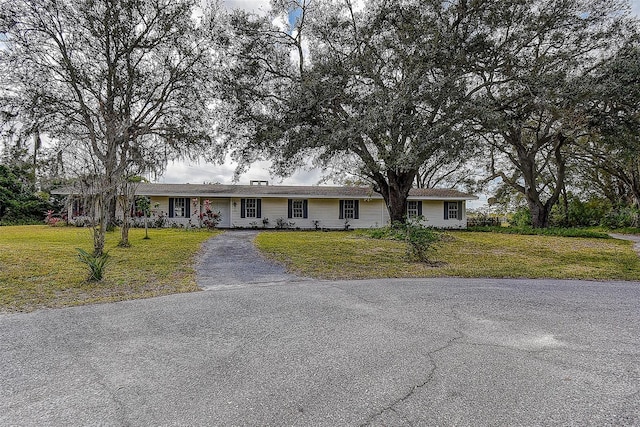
pixel 283 351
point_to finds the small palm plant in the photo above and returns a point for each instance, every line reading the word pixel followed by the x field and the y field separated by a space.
pixel 96 264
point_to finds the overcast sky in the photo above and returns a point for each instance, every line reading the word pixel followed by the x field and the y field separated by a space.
pixel 200 172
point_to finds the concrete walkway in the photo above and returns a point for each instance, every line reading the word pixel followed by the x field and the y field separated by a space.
pixel 231 259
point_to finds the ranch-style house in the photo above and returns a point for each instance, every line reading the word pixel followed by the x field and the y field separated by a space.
pixel 306 207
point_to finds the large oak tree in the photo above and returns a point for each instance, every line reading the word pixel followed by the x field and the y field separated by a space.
pixel 541 54
pixel 121 85
pixel 383 89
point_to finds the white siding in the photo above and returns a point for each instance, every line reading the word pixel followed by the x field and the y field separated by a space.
pixel 372 213
pixel 326 211
pixel 218 204
pixel 433 211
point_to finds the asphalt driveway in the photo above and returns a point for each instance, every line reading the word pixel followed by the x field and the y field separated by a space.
pixel 232 259
pixel 374 352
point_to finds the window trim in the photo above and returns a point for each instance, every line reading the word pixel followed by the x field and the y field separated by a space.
pixel 417 211
pixel 244 208
pixel 458 210
pixel 343 209
pixel 302 210
pixel 187 207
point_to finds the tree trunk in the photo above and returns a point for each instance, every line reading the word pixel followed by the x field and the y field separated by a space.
pixel 100 219
pixel 126 198
pixel 112 204
pixel 395 191
pixel 539 214
pixel 124 233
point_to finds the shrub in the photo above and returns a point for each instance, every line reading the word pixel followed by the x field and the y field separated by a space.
pixel 96 264
pixel 420 242
pixel 578 213
pixel 210 218
pixel 521 217
pixel 622 217
pixel 419 239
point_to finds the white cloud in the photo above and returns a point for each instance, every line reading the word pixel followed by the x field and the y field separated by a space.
pixel 182 172
pixel 256 6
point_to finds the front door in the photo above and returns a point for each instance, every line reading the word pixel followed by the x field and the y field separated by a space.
pixel 222 206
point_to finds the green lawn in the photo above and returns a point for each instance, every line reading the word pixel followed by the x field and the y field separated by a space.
pixel 38 265
pixel 39 268
pixel 339 255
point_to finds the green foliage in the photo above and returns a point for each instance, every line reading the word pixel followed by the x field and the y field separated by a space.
pixel 419 239
pixel 96 264
pixel 551 231
pixel 144 204
pixel 594 212
pixel 580 213
pixel 521 218
pixel 19 203
pixel 621 217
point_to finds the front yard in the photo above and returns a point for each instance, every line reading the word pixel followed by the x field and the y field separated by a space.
pixel 39 267
pixel 339 255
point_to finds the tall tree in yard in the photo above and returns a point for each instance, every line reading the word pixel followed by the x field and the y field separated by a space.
pixel 540 54
pixel 384 88
pixel 126 82
pixel 611 152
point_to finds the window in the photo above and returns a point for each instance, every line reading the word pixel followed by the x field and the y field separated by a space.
pixel 179 207
pixel 250 208
pixel 414 208
pixel 298 208
pixel 349 209
pixel 453 210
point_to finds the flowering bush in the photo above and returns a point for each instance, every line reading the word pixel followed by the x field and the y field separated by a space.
pixel 209 218
pixel 52 220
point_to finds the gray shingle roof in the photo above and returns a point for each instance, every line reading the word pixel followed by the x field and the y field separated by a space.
pixel 309 191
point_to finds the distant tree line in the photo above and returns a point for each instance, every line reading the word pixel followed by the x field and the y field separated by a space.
pixel 534 101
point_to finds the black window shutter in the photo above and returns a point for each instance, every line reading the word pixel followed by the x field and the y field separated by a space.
pixel 187 207
pixel 289 208
pixel 460 211
pixel 446 210
pixel 170 207
pixel 356 209
pixel 419 207
pixel 243 203
pixel 305 209
pixel 341 216
pixel 258 208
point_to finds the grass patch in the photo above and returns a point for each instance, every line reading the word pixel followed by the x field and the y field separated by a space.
pixel 552 231
pixel 335 255
pixel 39 266
pixel 625 230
